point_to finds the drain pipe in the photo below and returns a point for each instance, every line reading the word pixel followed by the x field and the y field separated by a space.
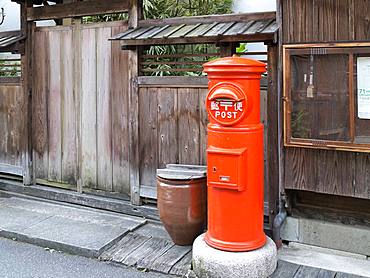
pixel 278 222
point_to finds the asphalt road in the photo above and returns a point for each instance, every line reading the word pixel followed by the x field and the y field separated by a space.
pixel 21 260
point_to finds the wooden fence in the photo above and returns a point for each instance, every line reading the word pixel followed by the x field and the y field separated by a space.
pixel 80 122
pixel 80 106
pixel 11 126
pixel 173 125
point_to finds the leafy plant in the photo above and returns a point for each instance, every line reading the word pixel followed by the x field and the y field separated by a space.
pixel 298 129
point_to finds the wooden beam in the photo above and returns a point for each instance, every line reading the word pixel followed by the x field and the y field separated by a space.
pixel 258 37
pixel 173 81
pixel 135 13
pixel 272 132
pixel 208 19
pixel 27 81
pixel 76 9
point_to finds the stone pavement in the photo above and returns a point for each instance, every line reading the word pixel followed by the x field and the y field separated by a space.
pixel 72 229
pixel 111 237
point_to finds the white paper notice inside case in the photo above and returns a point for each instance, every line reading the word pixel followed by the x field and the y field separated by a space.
pixel 363 87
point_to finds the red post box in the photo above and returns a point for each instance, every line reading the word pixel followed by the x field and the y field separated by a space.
pixel 235 155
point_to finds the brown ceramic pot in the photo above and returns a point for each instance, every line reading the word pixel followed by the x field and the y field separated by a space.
pixel 182 208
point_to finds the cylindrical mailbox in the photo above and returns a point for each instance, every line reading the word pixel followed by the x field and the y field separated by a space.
pixel 235 155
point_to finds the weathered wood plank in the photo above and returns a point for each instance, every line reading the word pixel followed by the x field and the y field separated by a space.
pixel 300 169
pixel 361 20
pixel 153 229
pixel 203 122
pixel 208 19
pixel 40 109
pixel 69 112
pixel 146 252
pixel 285 270
pixel 306 271
pixel 346 275
pixel 54 105
pixel 103 109
pixel 128 244
pixel 148 135
pixel 323 273
pixel 173 81
pixel 167 127
pixel 165 262
pixel 76 9
pixel 3 124
pixel 362 176
pixel 153 251
pixel 335 173
pixel 120 137
pixel 188 132
pixel 88 110
pixel 182 267
pixel 271 140
pixel 135 14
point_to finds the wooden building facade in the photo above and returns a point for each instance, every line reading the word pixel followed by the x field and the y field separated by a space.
pixel 333 157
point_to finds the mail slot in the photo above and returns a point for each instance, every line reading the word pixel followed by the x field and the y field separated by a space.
pixel 235 155
pixel 226 168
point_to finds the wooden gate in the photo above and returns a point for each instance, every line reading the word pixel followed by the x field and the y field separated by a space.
pixel 11 127
pixel 173 127
pixel 80 122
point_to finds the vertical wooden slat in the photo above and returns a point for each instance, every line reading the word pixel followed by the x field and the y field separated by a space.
pixel 17 125
pixel 148 135
pixel 11 123
pixel 203 122
pixel 120 136
pixel 335 172
pixel 300 167
pixel 40 106
pixel 104 121
pixel 77 60
pixel 167 127
pixel 362 176
pixel 361 19
pixel 88 109
pixel 3 124
pixel 69 119
pixel 54 104
pixel 188 111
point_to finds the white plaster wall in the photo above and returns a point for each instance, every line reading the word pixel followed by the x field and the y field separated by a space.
pixel 248 6
pixel 12 16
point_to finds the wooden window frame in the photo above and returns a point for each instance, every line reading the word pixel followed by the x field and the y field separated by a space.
pixel 351 49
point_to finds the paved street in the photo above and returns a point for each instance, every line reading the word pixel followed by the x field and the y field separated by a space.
pixel 21 260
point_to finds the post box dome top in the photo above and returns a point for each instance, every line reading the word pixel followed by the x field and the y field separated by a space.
pixel 235 64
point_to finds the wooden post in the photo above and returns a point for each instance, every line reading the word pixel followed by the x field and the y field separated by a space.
pixel 272 132
pixel 135 14
pixel 27 77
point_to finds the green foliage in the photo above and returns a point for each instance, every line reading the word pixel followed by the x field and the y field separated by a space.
pixel 176 8
pixel 242 48
pixel 298 128
pixel 156 9
pixel 9 71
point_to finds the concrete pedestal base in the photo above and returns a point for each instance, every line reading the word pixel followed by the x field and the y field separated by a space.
pixel 213 263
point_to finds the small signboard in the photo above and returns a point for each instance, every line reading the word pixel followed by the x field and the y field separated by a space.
pixel 363 87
